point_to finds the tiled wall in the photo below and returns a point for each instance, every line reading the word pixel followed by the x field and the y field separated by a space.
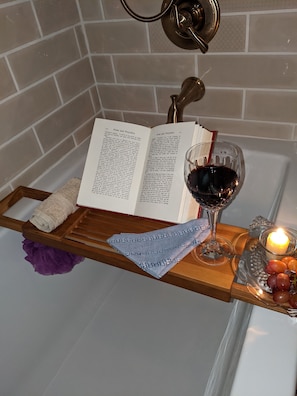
pixel 49 74
pixel 250 71
pixel 48 96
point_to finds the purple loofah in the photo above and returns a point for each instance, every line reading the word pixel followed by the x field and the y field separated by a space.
pixel 49 261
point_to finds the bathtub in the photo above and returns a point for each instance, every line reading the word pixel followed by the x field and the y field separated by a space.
pixel 100 330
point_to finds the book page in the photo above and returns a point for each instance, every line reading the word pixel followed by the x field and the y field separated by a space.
pixel 189 208
pixel 163 185
pixel 114 166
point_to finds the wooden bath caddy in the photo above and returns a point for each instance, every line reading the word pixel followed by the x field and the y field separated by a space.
pixel 85 233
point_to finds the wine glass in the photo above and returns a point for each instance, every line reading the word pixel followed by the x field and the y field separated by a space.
pixel 214 173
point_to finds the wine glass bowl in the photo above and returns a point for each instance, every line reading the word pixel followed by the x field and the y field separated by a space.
pixel 213 174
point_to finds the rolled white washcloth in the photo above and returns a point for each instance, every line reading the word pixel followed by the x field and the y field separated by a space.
pixel 55 209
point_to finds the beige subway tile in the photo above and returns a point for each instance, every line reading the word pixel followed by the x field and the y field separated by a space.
pixel 6 1
pixel 56 14
pixel 153 69
pixel 255 5
pixel 248 128
pixel 231 35
pixel 43 58
pixel 251 71
pixel 44 163
pixel 17 155
pixel 149 120
pixel 90 10
pixel 279 106
pixel 17 26
pixel 7 86
pixel 218 103
pixel 64 121
pixel 103 68
pixel 215 103
pixel 113 9
pixel 273 32
pixel 117 37
pixel 75 79
pixel 83 132
pixel 124 97
pixel 95 99
pixel 81 40
pixel 25 109
pixel 113 115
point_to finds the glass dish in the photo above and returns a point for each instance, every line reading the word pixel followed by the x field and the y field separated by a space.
pixel 251 272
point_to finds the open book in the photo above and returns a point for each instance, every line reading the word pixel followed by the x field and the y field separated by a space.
pixel 137 170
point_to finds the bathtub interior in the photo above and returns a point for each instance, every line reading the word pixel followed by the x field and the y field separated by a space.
pixel 102 330
pixel 262 190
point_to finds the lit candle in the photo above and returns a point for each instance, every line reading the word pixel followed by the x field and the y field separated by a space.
pixel 277 242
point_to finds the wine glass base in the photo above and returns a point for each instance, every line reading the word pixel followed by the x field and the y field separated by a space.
pixel 214 253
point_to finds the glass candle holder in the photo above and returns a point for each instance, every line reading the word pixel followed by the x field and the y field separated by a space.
pixel 277 242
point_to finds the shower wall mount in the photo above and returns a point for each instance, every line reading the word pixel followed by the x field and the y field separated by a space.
pixel 189 24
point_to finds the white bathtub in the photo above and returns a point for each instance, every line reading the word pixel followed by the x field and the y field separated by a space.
pixel 103 331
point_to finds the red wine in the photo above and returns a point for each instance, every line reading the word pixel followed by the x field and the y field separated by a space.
pixel 212 186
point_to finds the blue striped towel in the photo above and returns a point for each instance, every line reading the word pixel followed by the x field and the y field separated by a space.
pixel 156 252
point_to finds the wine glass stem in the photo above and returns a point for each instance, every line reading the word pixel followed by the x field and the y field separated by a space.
pixel 212 218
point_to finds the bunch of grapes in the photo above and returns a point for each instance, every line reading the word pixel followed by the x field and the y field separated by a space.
pixel 282 280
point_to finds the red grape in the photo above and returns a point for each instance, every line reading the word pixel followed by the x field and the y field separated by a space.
pixel 287 259
pixel 271 282
pixel 292 265
pixel 283 282
pixel 281 297
pixel 293 280
pixel 275 267
pixel 293 300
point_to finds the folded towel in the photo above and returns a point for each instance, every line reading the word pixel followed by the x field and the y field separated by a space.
pixel 156 252
pixel 55 209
